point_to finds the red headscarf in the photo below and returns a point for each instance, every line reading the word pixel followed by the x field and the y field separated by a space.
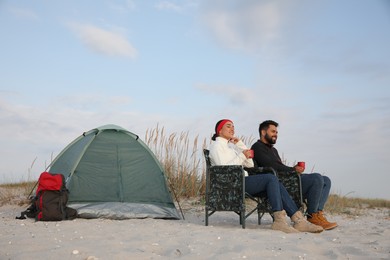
pixel 221 124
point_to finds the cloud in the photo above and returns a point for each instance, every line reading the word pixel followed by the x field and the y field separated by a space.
pixel 23 13
pixel 93 102
pixel 179 7
pixel 315 35
pixel 236 95
pixel 249 25
pixel 166 5
pixel 104 41
pixel 129 5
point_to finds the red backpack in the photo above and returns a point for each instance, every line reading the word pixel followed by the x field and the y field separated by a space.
pixel 49 203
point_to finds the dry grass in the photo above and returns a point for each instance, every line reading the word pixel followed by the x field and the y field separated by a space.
pixel 183 162
pixel 16 193
pixel 343 204
pixel 181 159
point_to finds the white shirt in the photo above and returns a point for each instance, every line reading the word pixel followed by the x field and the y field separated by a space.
pixel 222 152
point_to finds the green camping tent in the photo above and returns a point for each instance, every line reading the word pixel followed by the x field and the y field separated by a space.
pixel 111 173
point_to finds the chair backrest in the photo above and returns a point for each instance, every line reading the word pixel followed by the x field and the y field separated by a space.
pixel 292 183
pixel 206 154
pixel 225 189
pixel 207 158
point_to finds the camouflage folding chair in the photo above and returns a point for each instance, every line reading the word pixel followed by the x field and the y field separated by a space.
pixel 225 191
pixel 292 182
pixel 293 185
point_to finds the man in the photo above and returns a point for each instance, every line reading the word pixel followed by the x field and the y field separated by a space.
pixel 315 187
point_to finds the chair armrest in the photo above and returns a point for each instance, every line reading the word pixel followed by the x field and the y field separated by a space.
pixel 261 170
pixel 285 174
pixel 226 169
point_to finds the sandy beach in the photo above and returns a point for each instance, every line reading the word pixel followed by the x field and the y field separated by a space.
pixel 357 237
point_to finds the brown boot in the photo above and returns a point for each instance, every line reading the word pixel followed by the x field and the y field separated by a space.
pixel 319 219
pixel 281 224
pixel 301 224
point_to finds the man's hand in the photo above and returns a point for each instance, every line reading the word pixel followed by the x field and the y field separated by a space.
pixel 299 169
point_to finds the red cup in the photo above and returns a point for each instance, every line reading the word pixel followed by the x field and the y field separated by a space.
pixel 301 164
pixel 252 154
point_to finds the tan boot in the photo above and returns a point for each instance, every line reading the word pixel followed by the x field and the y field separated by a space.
pixel 319 219
pixel 281 224
pixel 301 224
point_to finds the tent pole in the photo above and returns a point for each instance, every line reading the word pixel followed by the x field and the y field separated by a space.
pixel 174 194
pixel 36 183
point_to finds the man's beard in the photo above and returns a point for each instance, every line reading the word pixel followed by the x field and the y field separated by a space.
pixel 269 139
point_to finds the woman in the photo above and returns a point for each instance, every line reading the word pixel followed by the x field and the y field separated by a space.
pixel 229 150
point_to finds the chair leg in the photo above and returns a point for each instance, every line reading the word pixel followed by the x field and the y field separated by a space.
pixel 259 216
pixel 242 219
pixel 206 221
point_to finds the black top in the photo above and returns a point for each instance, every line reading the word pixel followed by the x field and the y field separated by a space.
pixel 267 156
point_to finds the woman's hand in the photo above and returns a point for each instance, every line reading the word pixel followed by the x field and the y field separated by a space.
pixel 247 153
pixel 234 140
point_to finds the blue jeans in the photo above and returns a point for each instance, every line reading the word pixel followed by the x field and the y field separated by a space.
pixel 315 189
pixel 269 185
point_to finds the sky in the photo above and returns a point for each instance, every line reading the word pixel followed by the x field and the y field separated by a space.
pixel 321 69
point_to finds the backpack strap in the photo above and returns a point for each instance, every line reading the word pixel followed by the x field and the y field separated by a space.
pixel 30 212
pixel 22 215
